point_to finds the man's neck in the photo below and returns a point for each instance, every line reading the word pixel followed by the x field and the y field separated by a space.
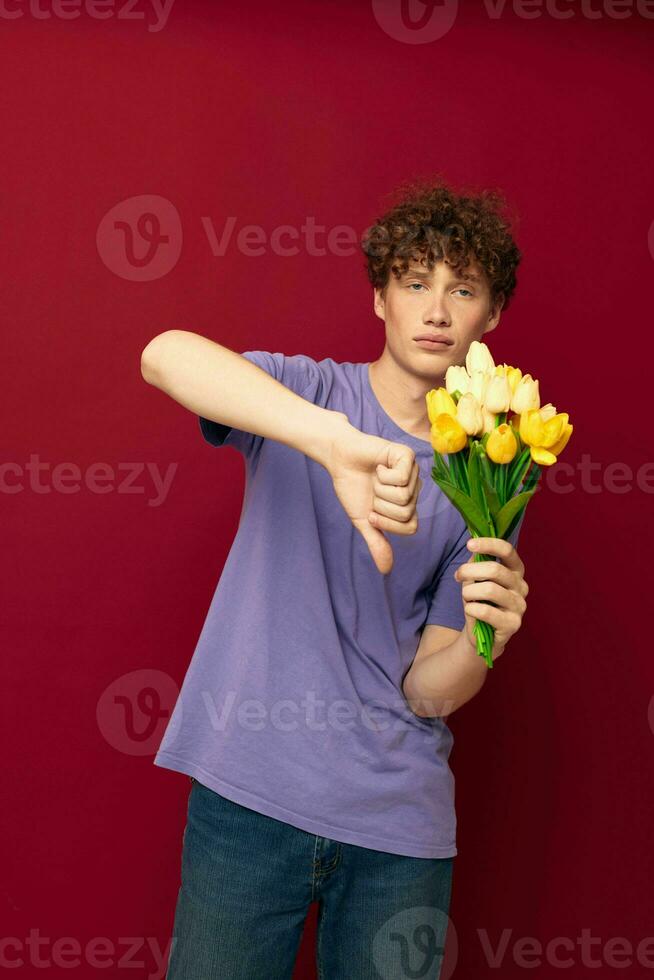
pixel 402 395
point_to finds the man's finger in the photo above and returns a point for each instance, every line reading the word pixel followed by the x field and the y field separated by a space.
pixel 497 546
pixel 397 512
pixel 476 571
pixel 398 494
pixel 392 526
pixel 400 471
pixel 378 546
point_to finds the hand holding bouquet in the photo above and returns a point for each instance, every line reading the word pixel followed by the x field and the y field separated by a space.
pixel 489 423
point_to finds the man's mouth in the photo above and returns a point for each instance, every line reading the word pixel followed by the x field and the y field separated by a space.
pixel 437 341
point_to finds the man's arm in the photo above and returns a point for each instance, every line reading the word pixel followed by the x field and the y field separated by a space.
pixel 446 672
pixel 217 383
pixel 376 481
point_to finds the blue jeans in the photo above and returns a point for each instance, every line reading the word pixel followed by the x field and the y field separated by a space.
pixel 247 883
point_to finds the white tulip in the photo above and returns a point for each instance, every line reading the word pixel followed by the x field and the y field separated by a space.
pixel 498 395
pixel 488 420
pixel 478 384
pixel 526 395
pixel 479 358
pixel 547 412
pixel 456 379
pixel 468 413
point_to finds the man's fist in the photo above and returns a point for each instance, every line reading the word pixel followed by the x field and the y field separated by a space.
pixel 377 483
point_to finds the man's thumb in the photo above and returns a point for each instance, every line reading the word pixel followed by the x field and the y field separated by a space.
pixel 378 546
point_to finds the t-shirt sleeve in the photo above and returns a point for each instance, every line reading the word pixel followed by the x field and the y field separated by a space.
pixel 294 371
pixel 446 606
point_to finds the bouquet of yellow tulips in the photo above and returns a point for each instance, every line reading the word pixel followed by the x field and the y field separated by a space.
pixel 489 422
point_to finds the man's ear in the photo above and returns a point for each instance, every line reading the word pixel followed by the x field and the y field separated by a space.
pixel 494 315
pixel 378 303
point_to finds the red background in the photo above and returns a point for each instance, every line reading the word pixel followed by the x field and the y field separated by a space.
pixel 272 113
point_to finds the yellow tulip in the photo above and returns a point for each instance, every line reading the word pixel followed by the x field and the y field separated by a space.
pixel 479 358
pixel 512 374
pixel 456 379
pixel 526 396
pixel 439 401
pixel 468 413
pixel 447 434
pixel 502 445
pixel 563 441
pixel 498 395
pixel 546 432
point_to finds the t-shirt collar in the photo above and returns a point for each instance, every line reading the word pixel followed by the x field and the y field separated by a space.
pixel 399 434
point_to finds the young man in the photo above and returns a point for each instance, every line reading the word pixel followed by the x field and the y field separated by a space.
pixel 312 716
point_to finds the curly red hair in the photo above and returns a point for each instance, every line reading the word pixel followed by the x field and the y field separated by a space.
pixel 430 222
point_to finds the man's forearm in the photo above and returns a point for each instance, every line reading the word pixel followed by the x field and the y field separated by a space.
pixel 441 682
pixel 222 385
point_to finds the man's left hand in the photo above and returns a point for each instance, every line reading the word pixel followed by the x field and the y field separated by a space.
pixel 501 583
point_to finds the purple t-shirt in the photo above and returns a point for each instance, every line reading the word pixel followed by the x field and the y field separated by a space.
pixel 292 704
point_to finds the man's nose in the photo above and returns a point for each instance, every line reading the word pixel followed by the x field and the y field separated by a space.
pixel 438 312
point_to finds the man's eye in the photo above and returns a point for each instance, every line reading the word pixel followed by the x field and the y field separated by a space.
pixel 462 289
pixel 416 284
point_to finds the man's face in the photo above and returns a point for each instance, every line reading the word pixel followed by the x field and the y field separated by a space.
pixel 456 305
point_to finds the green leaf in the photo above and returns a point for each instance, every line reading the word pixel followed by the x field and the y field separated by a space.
pixel 518 467
pixel 533 477
pixel 512 507
pixel 512 526
pixel 493 500
pixel 502 474
pixel 458 465
pixel 476 484
pixel 487 468
pixel 441 467
pixel 468 509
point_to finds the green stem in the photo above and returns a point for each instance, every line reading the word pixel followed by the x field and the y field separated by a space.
pixel 484 632
pixel 458 466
